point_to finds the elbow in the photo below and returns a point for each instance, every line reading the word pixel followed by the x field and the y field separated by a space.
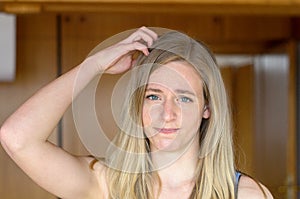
pixel 4 138
pixel 8 140
pixel 3 133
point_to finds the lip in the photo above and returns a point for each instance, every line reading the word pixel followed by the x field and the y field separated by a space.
pixel 167 130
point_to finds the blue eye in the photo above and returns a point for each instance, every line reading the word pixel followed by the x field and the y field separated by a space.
pixel 185 99
pixel 152 97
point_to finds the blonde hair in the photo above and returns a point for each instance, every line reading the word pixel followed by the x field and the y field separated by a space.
pixel 130 173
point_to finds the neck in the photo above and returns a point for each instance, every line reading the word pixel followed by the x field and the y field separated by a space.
pixel 177 168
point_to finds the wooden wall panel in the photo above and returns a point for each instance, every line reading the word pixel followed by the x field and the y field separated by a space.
pixel 36 65
pixel 244 106
pixel 271 119
pixel 217 31
pixel 254 29
pixel 292 184
pixel 239 83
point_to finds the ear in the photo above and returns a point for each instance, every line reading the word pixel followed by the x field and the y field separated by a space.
pixel 206 112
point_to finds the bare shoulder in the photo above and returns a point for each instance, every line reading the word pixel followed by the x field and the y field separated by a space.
pixel 98 170
pixel 250 189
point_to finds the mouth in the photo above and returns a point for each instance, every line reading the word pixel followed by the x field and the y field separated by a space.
pixel 167 130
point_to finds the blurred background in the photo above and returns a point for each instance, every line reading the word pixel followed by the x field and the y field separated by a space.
pixel 257 47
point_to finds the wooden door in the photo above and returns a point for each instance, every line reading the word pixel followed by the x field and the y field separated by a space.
pixel 263 103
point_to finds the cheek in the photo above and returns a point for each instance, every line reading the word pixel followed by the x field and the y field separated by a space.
pixel 191 117
pixel 147 122
pixel 151 114
pixel 146 116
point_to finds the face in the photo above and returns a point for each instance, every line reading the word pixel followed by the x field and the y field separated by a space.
pixel 173 107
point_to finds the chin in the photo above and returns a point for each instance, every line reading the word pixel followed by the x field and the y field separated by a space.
pixel 167 146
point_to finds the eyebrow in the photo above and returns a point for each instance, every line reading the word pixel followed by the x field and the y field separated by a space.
pixel 179 91
pixel 154 90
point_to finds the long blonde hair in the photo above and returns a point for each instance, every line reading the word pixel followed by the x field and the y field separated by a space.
pixel 130 172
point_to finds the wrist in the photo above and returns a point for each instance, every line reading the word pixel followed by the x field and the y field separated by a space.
pixel 92 67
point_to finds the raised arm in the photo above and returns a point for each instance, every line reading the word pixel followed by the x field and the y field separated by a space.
pixel 24 134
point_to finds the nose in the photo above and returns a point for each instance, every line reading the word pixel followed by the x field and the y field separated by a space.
pixel 171 110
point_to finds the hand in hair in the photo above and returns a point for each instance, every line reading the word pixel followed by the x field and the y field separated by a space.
pixel 118 58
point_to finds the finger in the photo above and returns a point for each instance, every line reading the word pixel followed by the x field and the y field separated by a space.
pixel 141 37
pixel 143 34
pixel 136 46
pixel 147 38
pixel 141 47
pixel 150 32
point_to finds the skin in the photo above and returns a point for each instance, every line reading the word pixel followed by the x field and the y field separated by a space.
pixel 24 134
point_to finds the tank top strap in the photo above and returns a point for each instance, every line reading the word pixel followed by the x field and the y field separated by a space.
pixel 236 183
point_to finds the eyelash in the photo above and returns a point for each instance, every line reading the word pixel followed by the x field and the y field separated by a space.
pixel 181 98
pixel 186 99
pixel 150 97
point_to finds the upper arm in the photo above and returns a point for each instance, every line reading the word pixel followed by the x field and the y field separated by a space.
pixel 250 189
pixel 57 171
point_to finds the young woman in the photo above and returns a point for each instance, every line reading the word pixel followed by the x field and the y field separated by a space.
pixel 175 136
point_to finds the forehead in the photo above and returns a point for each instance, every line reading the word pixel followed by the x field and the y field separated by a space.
pixel 177 75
